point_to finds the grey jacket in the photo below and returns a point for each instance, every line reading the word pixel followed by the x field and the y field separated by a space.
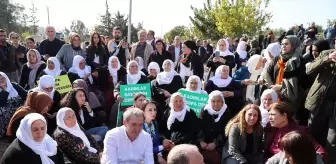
pixel 280 159
pixel 235 147
pixel 66 54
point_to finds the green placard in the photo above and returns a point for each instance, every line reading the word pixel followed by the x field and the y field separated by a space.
pixel 127 92
pixel 195 101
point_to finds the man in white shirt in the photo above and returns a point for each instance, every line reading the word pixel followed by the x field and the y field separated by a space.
pixel 128 144
pixel 185 154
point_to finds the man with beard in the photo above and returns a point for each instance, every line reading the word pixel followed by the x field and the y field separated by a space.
pixel 8 61
pixel 119 47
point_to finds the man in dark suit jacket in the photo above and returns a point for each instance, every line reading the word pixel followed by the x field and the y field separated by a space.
pixel 176 47
pixel 151 38
pixel 205 51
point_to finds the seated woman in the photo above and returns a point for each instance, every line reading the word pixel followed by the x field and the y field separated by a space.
pixel 47 85
pixel 75 143
pixel 241 55
pixel 31 70
pixel 244 134
pixel 33 144
pixel 53 68
pixel 77 101
pixel 151 127
pixel 230 89
pixel 140 62
pixel 165 84
pixel 213 119
pixel 153 70
pixel 268 98
pixel 79 70
pixel 12 96
pixel 297 148
pixel 281 123
pixel 182 122
pixel 139 101
pixel 194 84
pixel 36 102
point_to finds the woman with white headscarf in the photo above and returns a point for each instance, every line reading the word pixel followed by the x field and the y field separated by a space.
pixel 142 68
pixel 268 97
pixel 241 56
pixel 79 70
pixel 194 84
pixel 74 142
pixel 53 68
pixel 47 85
pixel 221 56
pixel 255 67
pixel 182 122
pixel 230 88
pixel 31 70
pixel 213 118
pixel 153 70
pixel 272 51
pixel 12 96
pixel 33 144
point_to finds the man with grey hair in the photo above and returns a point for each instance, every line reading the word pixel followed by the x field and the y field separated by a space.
pixel 128 144
pixel 50 46
pixel 185 154
pixel 142 48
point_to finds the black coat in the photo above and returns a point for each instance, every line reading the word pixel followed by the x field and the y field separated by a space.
pixel 90 56
pixel 196 65
pixel 229 61
pixel 4 95
pixel 89 122
pixel 18 153
pixel 159 58
pixel 25 75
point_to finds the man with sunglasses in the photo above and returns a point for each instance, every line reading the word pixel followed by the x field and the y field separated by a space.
pixel 8 61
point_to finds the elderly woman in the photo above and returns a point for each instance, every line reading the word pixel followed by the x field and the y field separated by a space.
pixel 68 51
pixel 36 102
pixel 33 144
pixel 153 71
pixel 53 68
pixel 78 146
pixel 281 123
pixel 221 56
pixel 268 98
pixel 213 119
pixel 140 62
pixel 12 96
pixel 182 122
pixel 47 85
pixel 241 55
pixel 194 84
pixel 231 89
pixel 31 70
pixel 244 134
pixel 79 70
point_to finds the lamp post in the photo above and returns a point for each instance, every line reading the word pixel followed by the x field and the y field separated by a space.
pixel 129 31
pixel 48 15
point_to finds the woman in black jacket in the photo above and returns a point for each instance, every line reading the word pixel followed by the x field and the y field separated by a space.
pixel 12 96
pixel 31 70
pixel 160 54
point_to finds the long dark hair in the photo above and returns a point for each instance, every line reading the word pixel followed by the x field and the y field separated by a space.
pixel 99 50
pixel 70 100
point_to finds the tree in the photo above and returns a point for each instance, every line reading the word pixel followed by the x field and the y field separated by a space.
pixel 204 22
pixel 330 22
pixel 183 31
pixel 240 17
pixel 33 19
pixel 78 27
pixel 106 26
pixel 11 16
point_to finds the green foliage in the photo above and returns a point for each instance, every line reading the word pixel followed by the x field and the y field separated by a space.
pixel 33 19
pixel 183 31
pixel 240 17
pixel 11 16
pixel 79 27
pixel 330 22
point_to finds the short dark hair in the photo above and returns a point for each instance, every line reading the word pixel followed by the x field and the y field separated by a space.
pixel 30 38
pixel 1 30
pixel 152 32
pixel 116 28
pixel 146 103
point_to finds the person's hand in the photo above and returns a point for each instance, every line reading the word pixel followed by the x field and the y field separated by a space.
pixel 260 82
pixel 20 56
pixel 3 87
pixel 87 106
pixel 211 146
pixel 95 74
pixel 228 94
pixel 332 56
pixel 246 82
pixel 161 160
pixel 203 145
pixel 166 144
pixel 166 94
pixel 215 59
pixel 120 99
pixel 86 76
pixel 183 60
pixel 124 44
pixel 100 155
pixel 46 57
pixel 276 88
pixel 222 60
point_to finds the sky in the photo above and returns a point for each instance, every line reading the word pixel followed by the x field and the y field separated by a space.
pixel 163 15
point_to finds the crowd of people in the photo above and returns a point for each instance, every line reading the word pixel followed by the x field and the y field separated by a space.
pixel 270 100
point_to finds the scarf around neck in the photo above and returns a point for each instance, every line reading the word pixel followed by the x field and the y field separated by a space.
pixel 33 67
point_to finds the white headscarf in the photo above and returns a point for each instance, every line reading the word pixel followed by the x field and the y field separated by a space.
pixel 46 148
pixel 133 79
pixel 252 63
pixel 10 89
pixel 217 79
pixel 114 71
pixel 209 108
pixel 199 84
pixel 57 68
pixel 274 49
pixel 166 77
pixel 80 72
pixel 176 115
pixel 46 81
pixel 226 52
pixel 154 65
pixel 241 50
pixel 141 62
pixel 263 110
pixel 76 131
